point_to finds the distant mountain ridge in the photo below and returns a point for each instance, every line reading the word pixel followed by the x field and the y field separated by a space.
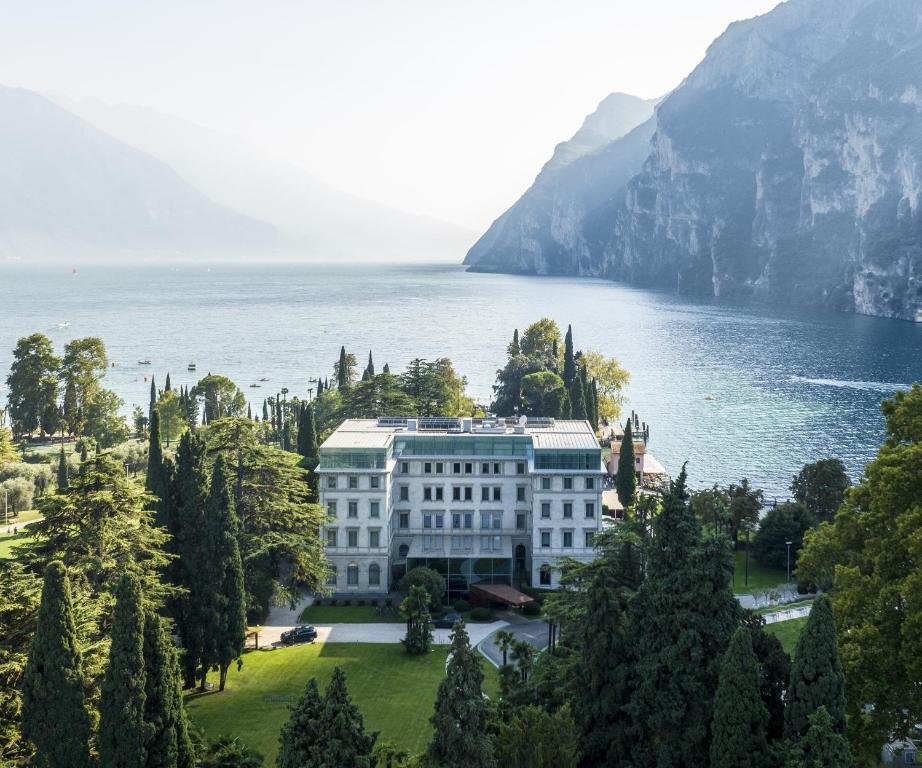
pixel 787 168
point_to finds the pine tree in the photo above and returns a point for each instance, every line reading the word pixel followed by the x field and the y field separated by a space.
pixel 569 363
pixel 345 744
pixel 122 704
pixel 54 715
pixel 626 478
pixel 224 605
pixel 301 738
pixel 166 387
pixel 160 714
pixel 461 738
pixel 816 674
pixel 738 727
pixel 823 746
pixel 63 475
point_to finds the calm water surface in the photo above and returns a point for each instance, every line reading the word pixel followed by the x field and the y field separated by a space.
pixel 790 386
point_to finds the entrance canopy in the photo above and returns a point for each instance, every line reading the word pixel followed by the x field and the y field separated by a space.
pixel 499 593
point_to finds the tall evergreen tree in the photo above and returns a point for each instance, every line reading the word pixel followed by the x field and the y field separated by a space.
pixel 160 677
pixel 167 387
pixel 154 482
pixel 224 606
pixel 307 437
pixel 740 721
pixel 63 474
pixel 54 715
pixel 681 620
pixel 345 743
pixel 301 738
pixel 461 738
pixel 823 746
pixel 153 397
pixel 249 412
pixel 816 674
pixel 569 362
pixel 371 365
pixel 122 728
pixel 626 478
pixel 775 669
pixel 514 348
pixel 578 400
pixel 386 368
pixel 342 370
pixel 265 411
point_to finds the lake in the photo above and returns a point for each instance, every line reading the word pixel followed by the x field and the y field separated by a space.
pixel 789 386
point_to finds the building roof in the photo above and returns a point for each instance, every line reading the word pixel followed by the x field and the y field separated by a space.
pixel 503 593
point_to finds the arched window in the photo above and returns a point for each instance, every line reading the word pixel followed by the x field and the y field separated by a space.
pixel 403 551
pixel 331 579
pixel 545 575
pixel 374 575
pixel 352 575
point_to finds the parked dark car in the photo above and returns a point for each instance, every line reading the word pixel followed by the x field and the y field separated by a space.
pixel 302 634
pixel 447 621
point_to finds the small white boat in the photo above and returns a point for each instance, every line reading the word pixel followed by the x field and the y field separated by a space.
pixel 143 362
pixel 264 378
pixel 190 367
pixel 710 397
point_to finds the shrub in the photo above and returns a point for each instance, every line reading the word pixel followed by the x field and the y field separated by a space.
pixel 462 606
pixel 360 602
pixel 429 580
pixel 39 476
pixel 373 602
pixel 20 492
pixel 481 614
pixel 389 602
pixel 332 601
pixel 531 609
pixel 347 602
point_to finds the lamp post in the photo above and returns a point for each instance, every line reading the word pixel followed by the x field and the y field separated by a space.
pixel 6 506
pixel 788 543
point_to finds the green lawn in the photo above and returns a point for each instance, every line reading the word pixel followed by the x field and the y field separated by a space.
pixel 788 632
pixel 346 614
pixel 394 691
pixel 760 579
pixel 8 541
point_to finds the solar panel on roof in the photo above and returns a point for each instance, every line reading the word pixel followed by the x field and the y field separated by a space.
pixel 539 421
pixel 438 423
pixel 392 421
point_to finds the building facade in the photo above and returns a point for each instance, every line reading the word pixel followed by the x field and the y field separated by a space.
pixel 479 500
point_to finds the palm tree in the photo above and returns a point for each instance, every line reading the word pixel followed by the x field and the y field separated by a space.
pixel 524 655
pixel 503 639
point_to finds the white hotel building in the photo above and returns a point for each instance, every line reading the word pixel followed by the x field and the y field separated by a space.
pixel 496 501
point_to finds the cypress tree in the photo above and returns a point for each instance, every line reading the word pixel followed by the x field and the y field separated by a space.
pixel 166 387
pixel 569 363
pixel 386 369
pixel 154 482
pixel 343 370
pixel 626 479
pixel 775 666
pixel 63 476
pixel 307 437
pixel 514 348
pixel 224 605
pixel 84 453
pixel 816 674
pixel 160 715
pixel 122 704
pixel 738 727
pixel 461 738
pixel 823 746
pixel 301 738
pixel 265 410
pixel 249 412
pixel 371 365
pixel 578 400
pixel 153 396
pixel 54 715
pixel 345 744
pixel 320 387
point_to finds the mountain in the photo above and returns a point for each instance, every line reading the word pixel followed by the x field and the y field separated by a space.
pixel 554 226
pixel 67 188
pixel 320 220
pixel 787 168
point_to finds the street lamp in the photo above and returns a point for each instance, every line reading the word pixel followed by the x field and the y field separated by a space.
pixel 788 543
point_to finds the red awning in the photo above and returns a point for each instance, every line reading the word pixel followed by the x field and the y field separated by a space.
pixel 502 593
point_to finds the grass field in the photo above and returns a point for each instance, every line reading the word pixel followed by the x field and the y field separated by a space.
pixel 760 579
pixel 8 541
pixel 346 614
pixel 395 692
pixel 788 632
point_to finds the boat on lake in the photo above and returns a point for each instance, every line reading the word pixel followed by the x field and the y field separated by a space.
pixel 143 362
pixel 190 367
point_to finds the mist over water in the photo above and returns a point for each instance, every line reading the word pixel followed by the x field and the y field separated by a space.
pixel 789 386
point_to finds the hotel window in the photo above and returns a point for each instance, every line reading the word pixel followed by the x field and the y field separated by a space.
pixel 468 493
pixel 439 493
pixel 404 493
pixel 374 509
pixel 353 481
pixel 353 509
pixel 331 508
pixel 468 519
pixel 497 493
pixel 485 494
pixel 545 483
pixel 545 577
pixel 331 579
pixel 485 468
pixel 427 493
pixel 567 509
pixel 568 483
pixel 456 468
pixel 497 520
pixel 520 493
pixel 567 539
pixel 484 519
pixel 520 468
pixel 439 520
pixel 497 468
pixel 590 483
pixel 427 520
pixel 520 521
pixel 404 467
pixel 455 519
pixel 469 468
pixel 545 509
pixel 590 509
pixel 403 519
pixel 427 468
pixel 545 539
pixel 588 537
pixel 456 493
pixel 375 481
pixel 374 538
pixel 331 481
pixel 439 468
pixel 331 537
pixel 353 537
pixel 352 575
pixel 374 575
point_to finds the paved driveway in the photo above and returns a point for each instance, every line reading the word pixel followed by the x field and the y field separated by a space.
pixel 534 632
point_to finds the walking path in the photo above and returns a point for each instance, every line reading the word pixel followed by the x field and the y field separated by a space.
pixel 791 613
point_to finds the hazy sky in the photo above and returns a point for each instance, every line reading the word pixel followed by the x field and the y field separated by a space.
pixel 436 107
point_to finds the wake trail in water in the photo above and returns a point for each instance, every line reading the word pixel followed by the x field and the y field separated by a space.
pixel 870 386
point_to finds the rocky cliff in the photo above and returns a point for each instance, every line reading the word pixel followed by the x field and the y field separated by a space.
pixel 787 168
